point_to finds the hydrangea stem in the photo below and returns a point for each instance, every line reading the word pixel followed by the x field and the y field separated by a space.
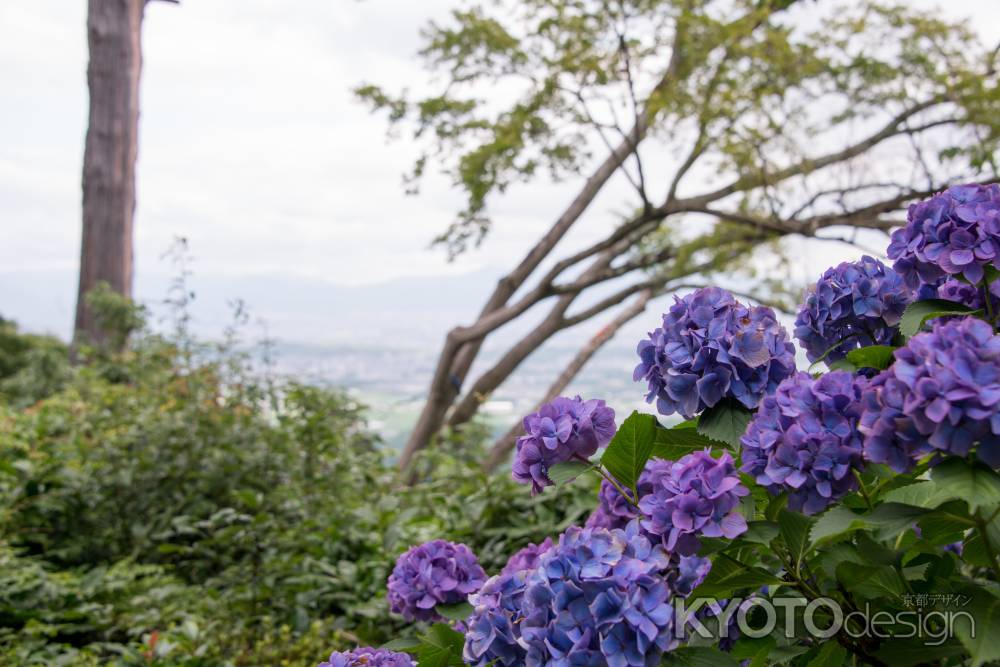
pixel 613 482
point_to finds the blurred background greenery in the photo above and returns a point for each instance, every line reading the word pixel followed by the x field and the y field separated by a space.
pixel 178 501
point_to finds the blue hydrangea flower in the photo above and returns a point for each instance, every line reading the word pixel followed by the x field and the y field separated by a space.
pixel 942 394
pixel 805 439
pixel 368 657
pixel 561 430
pixel 597 599
pixel 493 631
pixel 527 557
pixel 711 347
pixel 433 573
pixel 697 495
pixel 954 233
pixel 853 304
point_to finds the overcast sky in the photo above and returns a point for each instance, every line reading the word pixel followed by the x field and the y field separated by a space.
pixel 251 146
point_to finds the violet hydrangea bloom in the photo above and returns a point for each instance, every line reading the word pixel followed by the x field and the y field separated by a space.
pixel 561 430
pixel 527 557
pixel 711 347
pixel 942 394
pixel 853 304
pixel 954 233
pixel 805 439
pixel 696 495
pixel 368 657
pixel 493 630
pixel 597 599
pixel 433 573
pixel 613 511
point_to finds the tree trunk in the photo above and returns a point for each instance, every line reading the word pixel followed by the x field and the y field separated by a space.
pixel 504 444
pixel 113 37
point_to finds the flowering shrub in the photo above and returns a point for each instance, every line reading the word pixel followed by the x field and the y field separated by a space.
pixel 853 304
pixel 697 495
pixel 368 657
pixel 431 574
pixel 857 491
pixel 805 440
pixel 941 395
pixel 597 597
pixel 954 233
pixel 560 430
pixel 712 347
pixel 527 557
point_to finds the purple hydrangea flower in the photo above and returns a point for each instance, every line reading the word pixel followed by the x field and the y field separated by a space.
pixel 956 232
pixel 711 347
pixel 687 572
pixel 805 439
pixel 527 557
pixel 368 657
pixel 853 304
pixel 942 394
pixel 494 629
pixel 563 429
pixel 613 511
pixel 597 599
pixel 697 495
pixel 433 573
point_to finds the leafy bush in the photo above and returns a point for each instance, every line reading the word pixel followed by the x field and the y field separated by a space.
pixel 171 501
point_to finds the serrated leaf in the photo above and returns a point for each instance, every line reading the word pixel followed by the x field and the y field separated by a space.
pixel 919 312
pixel 455 612
pixel 984 646
pixel 567 471
pixel 726 421
pixel 674 443
pixel 971 481
pixel 871 581
pixel 887 519
pixel 728 575
pixel 698 656
pixel 909 652
pixel 629 451
pixel 403 644
pixel 831 654
pixel 794 528
pixel 760 532
pixel 878 357
pixel 440 647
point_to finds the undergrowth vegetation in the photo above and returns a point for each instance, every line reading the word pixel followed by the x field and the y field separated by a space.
pixel 179 504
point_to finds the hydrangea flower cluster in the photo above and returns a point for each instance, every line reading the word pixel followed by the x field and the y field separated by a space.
pixel 954 233
pixel 527 557
pixel 696 495
pixel 494 630
pixel 853 304
pixel 597 599
pixel 941 394
pixel 613 510
pixel 563 429
pixel 368 657
pixel 712 347
pixel 433 573
pixel 804 439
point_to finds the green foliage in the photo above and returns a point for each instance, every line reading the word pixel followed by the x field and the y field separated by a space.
pixel 31 366
pixel 170 501
pixel 533 87
pixel 919 312
pixel 725 422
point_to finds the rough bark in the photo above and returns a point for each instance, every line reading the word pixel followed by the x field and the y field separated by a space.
pixel 504 444
pixel 113 36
